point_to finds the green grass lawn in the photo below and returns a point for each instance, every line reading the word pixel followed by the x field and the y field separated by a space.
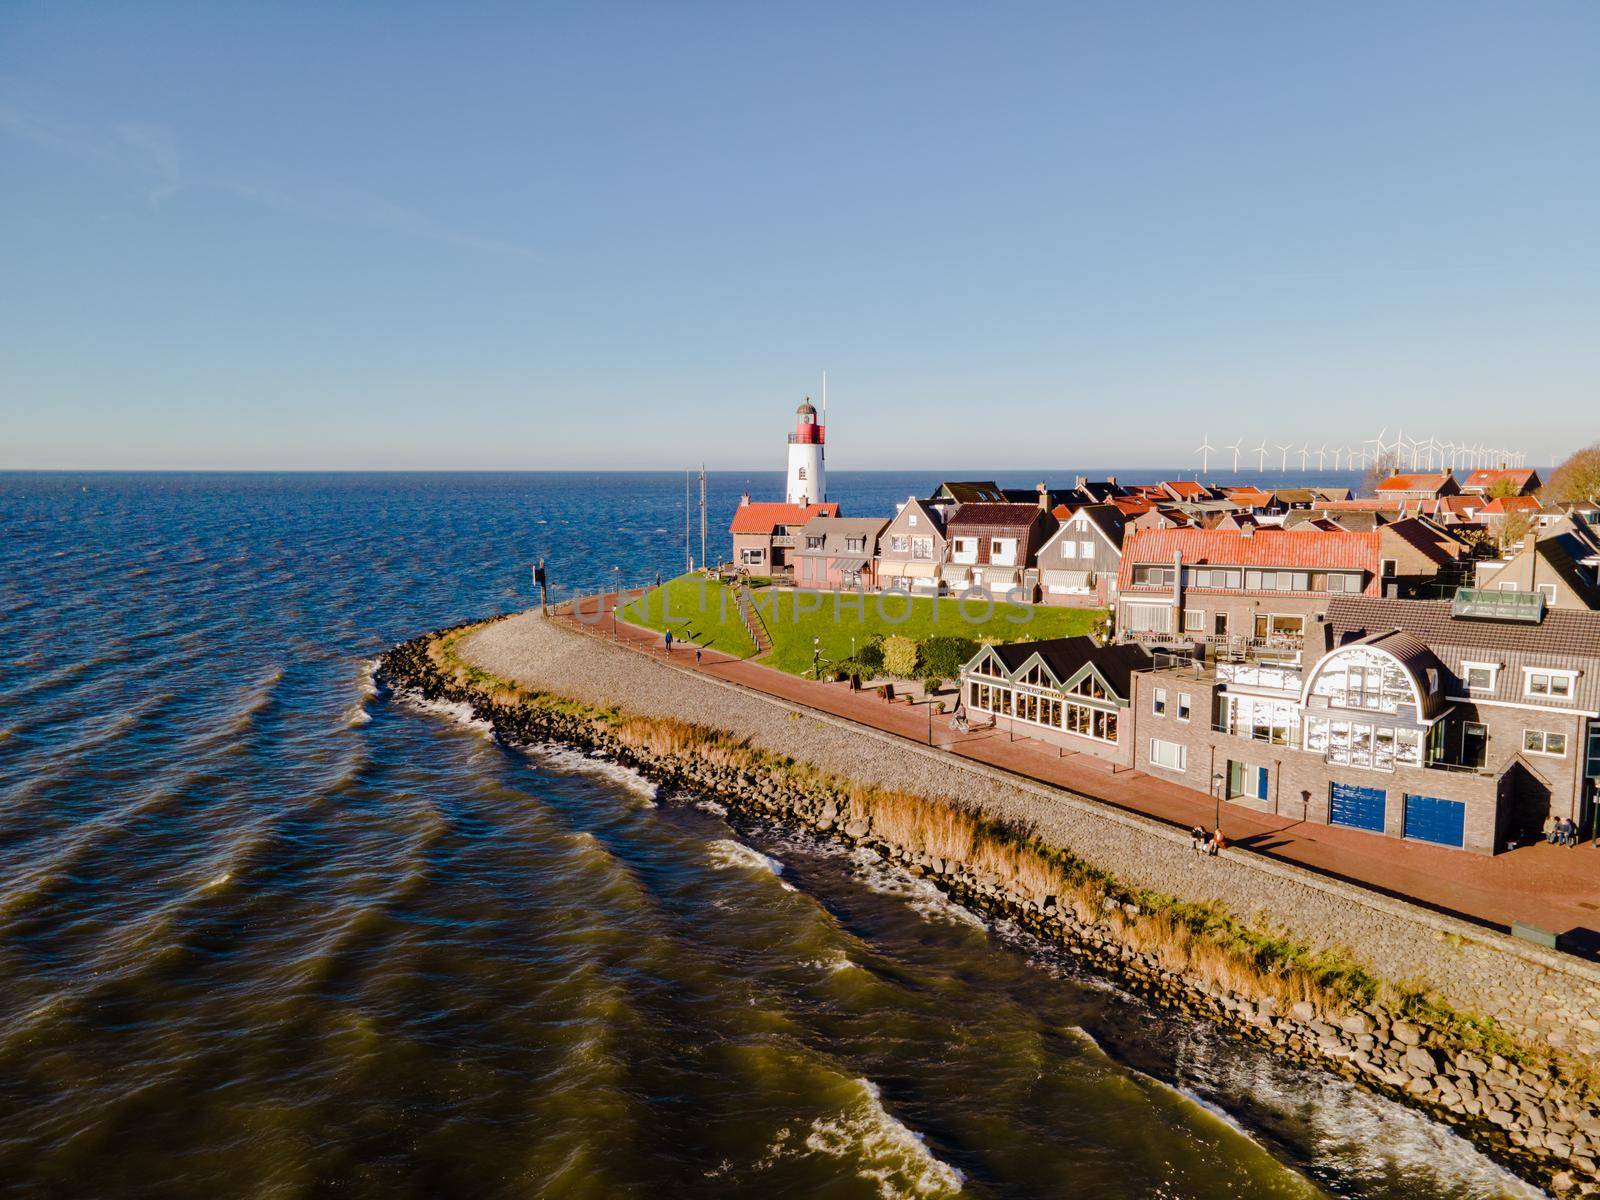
pixel 705 612
pixel 695 609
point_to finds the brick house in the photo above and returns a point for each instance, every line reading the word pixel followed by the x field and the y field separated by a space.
pixel 1068 691
pixel 1080 562
pixel 995 547
pixel 1462 722
pixel 837 552
pixel 911 550
pixel 1254 586
pixel 1261 586
pixel 764 533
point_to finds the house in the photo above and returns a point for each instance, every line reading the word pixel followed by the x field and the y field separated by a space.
pixel 1419 486
pixel 1293 498
pixel 1067 691
pixel 1525 480
pixel 1080 562
pixel 1563 565
pixel 994 547
pixel 1463 722
pixel 1498 511
pixel 1252 586
pixel 912 549
pixel 837 552
pixel 764 533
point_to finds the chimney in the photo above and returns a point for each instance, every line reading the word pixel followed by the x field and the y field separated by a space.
pixel 1112 480
pixel 1081 482
pixel 1177 577
pixel 744 499
pixel 1247 529
pixel 1044 498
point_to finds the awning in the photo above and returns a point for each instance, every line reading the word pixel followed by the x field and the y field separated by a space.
pixel 849 564
pixel 890 569
pixel 957 573
pixel 996 575
pixel 922 570
pixel 1071 579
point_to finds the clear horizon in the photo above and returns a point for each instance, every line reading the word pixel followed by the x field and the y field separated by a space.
pixel 540 239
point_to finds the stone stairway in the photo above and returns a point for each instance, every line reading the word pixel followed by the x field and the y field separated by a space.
pixel 751 617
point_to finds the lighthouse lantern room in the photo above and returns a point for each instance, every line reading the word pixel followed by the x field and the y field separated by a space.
pixel 806 483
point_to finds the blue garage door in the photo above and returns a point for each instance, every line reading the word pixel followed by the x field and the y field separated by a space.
pixel 1358 807
pixel 1430 819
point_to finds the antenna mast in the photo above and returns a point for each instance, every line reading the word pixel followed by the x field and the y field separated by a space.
pixel 688 556
pixel 703 562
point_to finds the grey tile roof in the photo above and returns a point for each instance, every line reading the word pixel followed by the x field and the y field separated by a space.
pixel 1564 632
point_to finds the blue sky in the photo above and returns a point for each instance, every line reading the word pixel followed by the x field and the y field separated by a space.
pixel 430 236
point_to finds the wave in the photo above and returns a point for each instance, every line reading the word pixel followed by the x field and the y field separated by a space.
pixel 574 762
pixel 727 853
pixel 456 710
pixel 888 880
pixel 357 713
pixel 886 1151
pixel 712 807
pixel 1357 1135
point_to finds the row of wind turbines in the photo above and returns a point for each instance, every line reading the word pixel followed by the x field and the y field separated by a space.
pixel 1419 453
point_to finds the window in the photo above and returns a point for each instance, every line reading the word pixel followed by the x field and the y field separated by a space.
pixel 922 548
pixel 1170 755
pixel 1086 549
pixel 750 557
pixel 1194 620
pixel 899 545
pixel 1069 549
pixel 1548 591
pixel 1480 677
pixel 1183 706
pixel 1555 684
pixel 1389 567
pixel 1593 769
pixel 1152 576
pixel 1238 779
pixel 1147 618
pixel 1537 741
pixel 1158 702
pixel 813 543
pixel 802 473
pixel 1505 586
pixel 912 520
pixel 856 544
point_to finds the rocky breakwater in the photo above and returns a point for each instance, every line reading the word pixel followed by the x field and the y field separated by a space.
pixel 1537 1113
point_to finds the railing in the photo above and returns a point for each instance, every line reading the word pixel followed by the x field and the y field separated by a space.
pixel 1249 733
pixel 784 540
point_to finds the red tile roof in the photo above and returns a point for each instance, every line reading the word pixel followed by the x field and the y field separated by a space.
pixel 1248 495
pixel 1427 482
pixel 1487 477
pixel 1299 548
pixel 1510 504
pixel 1186 489
pixel 763 516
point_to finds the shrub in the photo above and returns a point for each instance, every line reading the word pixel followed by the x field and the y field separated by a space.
pixel 943 655
pixel 900 656
pixel 870 655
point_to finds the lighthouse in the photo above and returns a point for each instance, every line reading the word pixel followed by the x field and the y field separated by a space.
pixel 806 484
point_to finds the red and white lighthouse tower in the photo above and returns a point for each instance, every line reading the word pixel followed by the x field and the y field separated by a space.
pixel 806 484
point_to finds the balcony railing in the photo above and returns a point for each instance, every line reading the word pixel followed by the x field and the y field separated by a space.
pixel 786 540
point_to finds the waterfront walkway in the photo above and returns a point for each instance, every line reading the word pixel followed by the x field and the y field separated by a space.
pixel 1550 887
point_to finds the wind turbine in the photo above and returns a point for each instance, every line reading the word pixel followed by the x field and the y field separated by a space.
pixel 1450 449
pixel 1338 457
pixel 1377 444
pixel 1283 458
pixel 1261 450
pixel 1322 450
pixel 1204 450
pixel 1305 453
pixel 1235 449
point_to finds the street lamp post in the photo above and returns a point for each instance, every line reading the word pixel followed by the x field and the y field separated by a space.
pixel 1216 790
pixel 816 658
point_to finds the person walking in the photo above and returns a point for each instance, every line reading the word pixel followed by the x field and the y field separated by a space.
pixel 697 657
pixel 668 637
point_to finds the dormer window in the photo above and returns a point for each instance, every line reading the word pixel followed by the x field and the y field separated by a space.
pixel 1554 685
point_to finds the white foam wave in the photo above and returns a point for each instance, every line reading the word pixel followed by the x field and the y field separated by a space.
pixel 458 711
pixel 367 681
pixel 712 807
pixel 1357 1134
pixel 923 897
pixel 890 1154
pixel 575 762
pixel 727 853
pixel 832 963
